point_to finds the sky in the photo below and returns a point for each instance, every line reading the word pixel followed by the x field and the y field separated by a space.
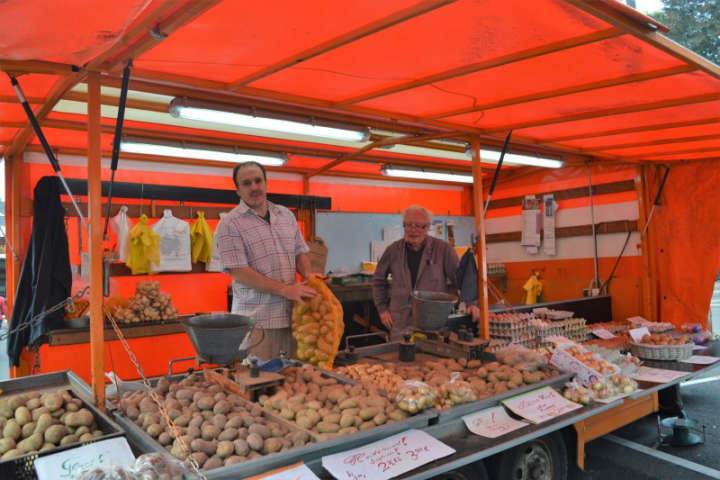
pixel 648 6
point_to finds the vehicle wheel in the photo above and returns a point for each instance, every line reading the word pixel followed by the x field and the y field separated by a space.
pixel 544 458
pixel 474 471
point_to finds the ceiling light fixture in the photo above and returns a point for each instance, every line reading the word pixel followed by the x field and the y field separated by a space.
pixel 170 148
pixel 423 174
pixel 249 117
pixel 492 156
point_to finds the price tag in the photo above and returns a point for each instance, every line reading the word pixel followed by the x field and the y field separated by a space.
pixel 638 333
pixel 657 375
pixel 68 464
pixel 701 360
pixel 297 471
pixel 492 422
pixel 602 333
pixel 560 340
pixel 387 458
pixel 699 348
pixel 540 405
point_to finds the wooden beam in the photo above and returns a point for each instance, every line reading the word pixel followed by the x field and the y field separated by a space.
pixel 566 194
pixel 601 228
pixel 613 17
pixel 640 107
pixel 644 246
pixel 19 67
pixel 480 250
pixel 612 82
pixel 486 64
pixel 347 37
pixel 643 128
pixel 97 319
pixel 114 101
pixel 665 141
pixel 14 99
pixel 658 156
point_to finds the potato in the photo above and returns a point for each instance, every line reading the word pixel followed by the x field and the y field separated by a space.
pixel 210 432
pixel 255 441
pixel 199 445
pixel 332 418
pixel 222 406
pixel 228 434
pixel 153 430
pixel 213 462
pixel 225 448
pixel 347 420
pixel 52 401
pixel 178 452
pixel 232 460
pixel 6 444
pixel 33 403
pixel 12 454
pixel 182 420
pixel 272 445
pixel 261 430
pixel 55 433
pixel 196 421
pixel 67 439
pixel 47 446
pixel 28 429
pixel 368 413
pixel 164 439
pixel 347 430
pixel 366 425
pixel 86 437
pixel 380 419
pixel 241 447
pixel 79 418
pixel 17 401
pixel 219 421
pixel 300 438
pixel 205 403
pixel 23 415
pixel 199 457
pixel 43 422
pixel 12 430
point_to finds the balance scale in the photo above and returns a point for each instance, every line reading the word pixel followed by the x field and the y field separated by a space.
pixel 217 339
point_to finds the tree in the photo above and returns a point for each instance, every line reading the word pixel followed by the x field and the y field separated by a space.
pixel 694 24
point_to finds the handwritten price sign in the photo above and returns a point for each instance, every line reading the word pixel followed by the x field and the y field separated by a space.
pixel 387 458
pixel 657 375
pixel 297 471
pixel 492 423
pixel 540 405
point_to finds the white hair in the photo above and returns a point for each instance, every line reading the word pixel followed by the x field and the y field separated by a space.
pixel 418 208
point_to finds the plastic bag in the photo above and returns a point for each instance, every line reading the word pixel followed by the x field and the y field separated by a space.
pixel 414 396
pixel 575 392
pixel 174 235
pixel 149 466
pixel 318 325
pixel 456 391
pixel 521 358
pixel 215 264
pixel 144 248
pixel 201 240
pixel 121 226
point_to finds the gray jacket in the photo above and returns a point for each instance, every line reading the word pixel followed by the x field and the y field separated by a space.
pixel 438 265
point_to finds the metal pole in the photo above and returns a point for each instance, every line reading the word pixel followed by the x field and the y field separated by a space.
pixel 596 279
pixel 497 173
pixel 43 141
pixel 656 202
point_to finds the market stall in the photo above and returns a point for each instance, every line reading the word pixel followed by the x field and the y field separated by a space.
pixel 415 89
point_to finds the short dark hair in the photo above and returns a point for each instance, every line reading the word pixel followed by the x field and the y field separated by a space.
pixel 247 164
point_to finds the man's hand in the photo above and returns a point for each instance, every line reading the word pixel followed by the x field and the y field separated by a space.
pixel 298 291
pixel 473 310
pixel 386 319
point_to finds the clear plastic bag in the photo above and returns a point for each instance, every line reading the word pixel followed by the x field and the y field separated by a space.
pixel 575 392
pixel 414 396
pixel 149 466
pixel 456 391
pixel 521 358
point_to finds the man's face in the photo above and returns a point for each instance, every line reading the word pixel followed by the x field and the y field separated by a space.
pixel 252 187
pixel 416 227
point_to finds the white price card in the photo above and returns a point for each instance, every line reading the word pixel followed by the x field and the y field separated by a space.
pixel 657 375
pixel 540 405
pixel 296 471
pixel 602 333
pixel 492 422
pixel 68 464
pixel 638 333
pixel 387 458
pixel 560 340
pixel 699 348
pixel 700 360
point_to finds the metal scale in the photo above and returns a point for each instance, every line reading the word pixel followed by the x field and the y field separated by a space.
pixel 217 339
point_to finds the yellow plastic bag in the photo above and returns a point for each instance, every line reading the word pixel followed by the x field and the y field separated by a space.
pixel 201 240
pixel 144 248
pixel 318 326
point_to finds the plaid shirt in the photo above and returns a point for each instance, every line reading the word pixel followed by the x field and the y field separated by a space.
pixel 246 240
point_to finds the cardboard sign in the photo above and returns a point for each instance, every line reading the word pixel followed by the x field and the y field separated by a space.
pixel 492 422
pixel 540 405
pixel 567 363
pixel 638 333
pixel 602 333
pixel 701 360
pixel 68 464
pixel 387 458
pixel 296 471
pixel 657 375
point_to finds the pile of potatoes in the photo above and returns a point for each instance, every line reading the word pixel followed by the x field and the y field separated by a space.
pixel 34 421
pixel 220 428
pixel 326 407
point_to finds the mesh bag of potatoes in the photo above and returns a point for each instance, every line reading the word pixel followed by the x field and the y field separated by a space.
pixel 317 326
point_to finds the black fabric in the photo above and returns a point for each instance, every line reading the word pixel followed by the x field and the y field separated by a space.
pixel 45 278
pixel 266 217
pixel 413 261
pixel 467 277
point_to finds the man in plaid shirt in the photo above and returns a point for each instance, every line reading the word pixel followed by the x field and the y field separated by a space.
pixel 261 246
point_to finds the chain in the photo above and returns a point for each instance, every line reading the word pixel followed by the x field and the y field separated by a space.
pixel 155 397
pixel 68 302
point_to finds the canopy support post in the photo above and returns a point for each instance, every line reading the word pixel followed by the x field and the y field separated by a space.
pixel 484 321
pixel 97 324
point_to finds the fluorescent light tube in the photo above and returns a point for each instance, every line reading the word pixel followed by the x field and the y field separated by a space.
pixel 407 172
pixel 265 120
pixel 203 152
pixel 518 159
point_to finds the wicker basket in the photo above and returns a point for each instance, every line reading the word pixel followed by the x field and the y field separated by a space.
pixel 662 352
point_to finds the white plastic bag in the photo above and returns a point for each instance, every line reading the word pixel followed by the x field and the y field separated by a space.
pixel 121 226
pixel 215 265
pixel 175 254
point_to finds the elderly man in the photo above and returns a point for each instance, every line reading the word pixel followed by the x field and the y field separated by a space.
pixel 416 262
pixel 261 246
